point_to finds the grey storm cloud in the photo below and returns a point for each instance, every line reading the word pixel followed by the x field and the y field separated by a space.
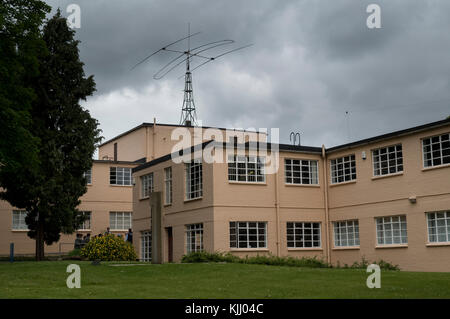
pixel 311 62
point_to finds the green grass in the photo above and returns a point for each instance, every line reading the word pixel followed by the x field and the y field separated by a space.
pixel 47 279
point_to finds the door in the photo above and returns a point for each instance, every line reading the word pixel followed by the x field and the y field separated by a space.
pixel 169 244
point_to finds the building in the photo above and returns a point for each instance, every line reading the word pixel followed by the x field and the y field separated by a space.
pixel 386 197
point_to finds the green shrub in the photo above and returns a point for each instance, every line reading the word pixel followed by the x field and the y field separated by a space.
pixel 108 248
pixel 75 252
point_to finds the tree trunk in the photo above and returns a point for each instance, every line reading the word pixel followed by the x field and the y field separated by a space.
pixel 40 241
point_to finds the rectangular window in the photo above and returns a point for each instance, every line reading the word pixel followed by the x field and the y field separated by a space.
pixel 387 160
pixel 439 227
pixel 146 246
pixel 346 233
pixel 18 220
pixel 88 176
pixel 246 168
pixel 248 234
pixel 194 183
pixel 436 150
pixel 120 220
pixel 87 222
pixel 301 171
pixel 120 175
pixel 392 230
pixel 146 185
pixel 168 185
pixel 303 235
pixel 343 169
pixel 194 238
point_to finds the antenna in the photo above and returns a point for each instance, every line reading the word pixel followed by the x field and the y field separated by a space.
pixel 188 113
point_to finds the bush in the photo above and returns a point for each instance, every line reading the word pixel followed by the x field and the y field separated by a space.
pixel 108 248
pixel 75 252
pixel 364 263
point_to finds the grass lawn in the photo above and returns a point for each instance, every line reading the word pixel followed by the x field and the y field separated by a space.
pixel 48 280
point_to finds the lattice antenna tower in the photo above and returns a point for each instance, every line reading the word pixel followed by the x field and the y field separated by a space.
pixel 188 112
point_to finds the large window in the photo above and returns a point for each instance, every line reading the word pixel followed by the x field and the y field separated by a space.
pixel 146 185
pixel 439 227
pixel 194 238
pixel 194 184
pixel 146 246
pixel 18 220
pixel 168 185
pixel 301 171
pixel 88 176
pixel 248 234
pixel 120 220
pixel 392 230
pixel 87 222
pixel 436 150
pixel 346 233
pixel 120 175
pixel 343 169
pixel 246 168
pixel 303 235
pixel 387 160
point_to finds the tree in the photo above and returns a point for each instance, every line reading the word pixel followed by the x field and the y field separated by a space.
pixel 68 136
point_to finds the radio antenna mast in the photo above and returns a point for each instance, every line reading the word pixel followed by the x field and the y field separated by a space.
pixel 188 112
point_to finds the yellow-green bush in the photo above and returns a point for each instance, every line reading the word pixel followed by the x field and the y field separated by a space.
pixel 109 248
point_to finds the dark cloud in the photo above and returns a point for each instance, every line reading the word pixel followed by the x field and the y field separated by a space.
pixel 310 63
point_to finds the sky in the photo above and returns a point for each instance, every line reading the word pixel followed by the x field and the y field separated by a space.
pixel 314 66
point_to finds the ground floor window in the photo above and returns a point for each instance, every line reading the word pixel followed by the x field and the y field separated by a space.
pixel 146 246
pixel 391 230
pixel 346 233
pixel 439 227
pixel 120 220
pixel 303 235
pixel 18 220
pixel 248 234
pixel 194 238
pixel 86 225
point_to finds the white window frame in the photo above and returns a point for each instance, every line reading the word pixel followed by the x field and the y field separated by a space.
pixel 122 176
pixel 443 144
pixel 114 221
pixel 376 160
pixel 18 220
pixel 168 186
pixel 194 184
pixel 385 230
pixel 87 221
pixel 346 233
pixel 444 222
pixel 339 170
pixel 88 176
pixel 146 246
pixel 298 232
pixel 194 238
pixel 290 175
pixel 147 185
pixel 250 242
pixel 246 169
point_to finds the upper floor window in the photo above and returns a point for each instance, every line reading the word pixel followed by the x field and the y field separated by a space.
pixel 248 234
pixel 18 220
pixel 436 150
pixel 343 169
pixel 194 179
pixel 303 235
pixel 88 176
pixel 120 175
pixel 387 160
pixel 120 220
pixel 168 185
pixel 392 230
pixel 146 185
pixel 246 168
pixel 439 227
pixel 346 233
pixel 301 171
pixel 87 222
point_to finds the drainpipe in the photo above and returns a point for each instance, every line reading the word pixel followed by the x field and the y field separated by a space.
pixel 277 210
pixel 153 138
pixel 327 213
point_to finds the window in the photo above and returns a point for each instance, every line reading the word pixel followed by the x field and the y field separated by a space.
pixel 248 234
pixel 246 168
pixel 439 227
pixel 436 150
pixel 194 238
pixel 194 186
pixel 18 220
pixel 387 160
pixel 146 246
pixel 346 233
pixel 120 220
pixel 168 185
pixel 301 171
pixel 146 185
pixel 120 175
pixel 343 169
pixel 303 235
pixel 86 225
pixel 392 230
pixel 88 176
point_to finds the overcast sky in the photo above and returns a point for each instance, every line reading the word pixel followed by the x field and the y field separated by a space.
pixel 311 61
